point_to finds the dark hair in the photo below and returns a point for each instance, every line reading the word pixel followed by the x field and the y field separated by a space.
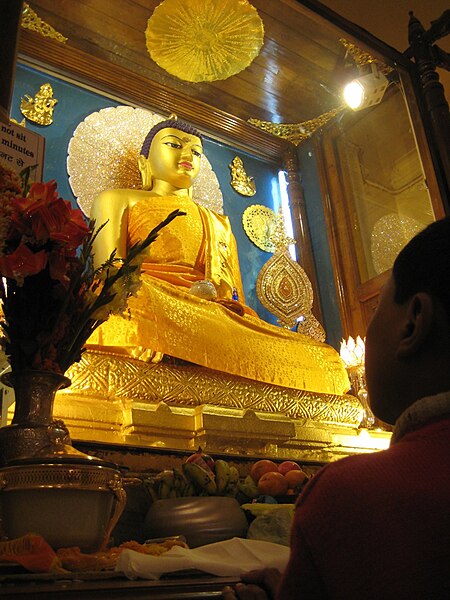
pixel 169 123
pixel 424 265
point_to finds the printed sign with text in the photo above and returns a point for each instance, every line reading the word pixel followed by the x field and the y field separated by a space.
pixel 21 148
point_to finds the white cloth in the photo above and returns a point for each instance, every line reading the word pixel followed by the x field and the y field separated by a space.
pixel 226 559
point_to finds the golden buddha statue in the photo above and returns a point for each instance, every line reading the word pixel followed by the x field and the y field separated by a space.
pixel 171 317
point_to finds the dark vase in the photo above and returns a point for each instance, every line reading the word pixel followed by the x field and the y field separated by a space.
pixel 32 427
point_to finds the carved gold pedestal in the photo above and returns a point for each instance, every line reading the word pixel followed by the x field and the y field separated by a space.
pixel 120 400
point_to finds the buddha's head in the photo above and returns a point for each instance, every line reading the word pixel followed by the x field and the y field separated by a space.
pixel 170 157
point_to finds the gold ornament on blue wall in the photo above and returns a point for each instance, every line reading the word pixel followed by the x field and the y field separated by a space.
pixel 259 223
pixel 240 181
pixel 39 108
pixel 22 123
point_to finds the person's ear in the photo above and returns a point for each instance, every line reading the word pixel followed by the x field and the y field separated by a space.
pixel 417 326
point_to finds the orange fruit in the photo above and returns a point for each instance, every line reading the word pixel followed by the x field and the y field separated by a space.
pixel 288 465
pixel 260 467
pixel 273 484
pixel 295 478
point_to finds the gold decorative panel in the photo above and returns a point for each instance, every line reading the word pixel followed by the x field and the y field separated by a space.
pixel 363 58
pixel 124 380
pixel 297 132
pixel 30 20
pixel 204 40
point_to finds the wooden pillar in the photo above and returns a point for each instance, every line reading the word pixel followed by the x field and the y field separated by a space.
pixel 427 57
pixel 304 251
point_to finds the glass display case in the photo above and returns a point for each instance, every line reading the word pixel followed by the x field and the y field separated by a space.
pixel 360 182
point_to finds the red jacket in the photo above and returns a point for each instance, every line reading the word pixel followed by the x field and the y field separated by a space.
pixel 376 527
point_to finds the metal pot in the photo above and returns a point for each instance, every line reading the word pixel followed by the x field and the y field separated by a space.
pixel 201 520
pixel 74 502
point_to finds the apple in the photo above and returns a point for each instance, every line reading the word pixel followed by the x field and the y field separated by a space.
pixel 260 467
pixel 203 460
pixel 208 460
pixel 288 465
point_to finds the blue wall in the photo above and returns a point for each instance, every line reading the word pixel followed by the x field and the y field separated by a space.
pixel 321 251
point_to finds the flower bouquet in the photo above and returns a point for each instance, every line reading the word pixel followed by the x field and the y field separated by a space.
pixel 52 296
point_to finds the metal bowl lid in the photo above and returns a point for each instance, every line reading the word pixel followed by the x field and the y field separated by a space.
pixel 63 454
pixel 47 476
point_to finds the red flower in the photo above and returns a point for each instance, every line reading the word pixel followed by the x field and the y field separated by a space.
pixel 41 194
pixel 51 294
pixel 65 224
pixel 58 267
pixel 22 262
pixel 44 216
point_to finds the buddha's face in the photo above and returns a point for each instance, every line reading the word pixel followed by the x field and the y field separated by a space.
pixel 174 157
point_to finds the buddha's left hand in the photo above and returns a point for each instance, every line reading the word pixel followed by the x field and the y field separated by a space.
pixel 256 585
pixel 232 305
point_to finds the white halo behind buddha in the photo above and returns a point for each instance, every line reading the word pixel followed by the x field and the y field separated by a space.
pixel 103 154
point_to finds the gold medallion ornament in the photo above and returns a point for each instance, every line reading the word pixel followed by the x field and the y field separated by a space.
pixel 103 154
pixel 204 40
pixel 40 108
pixel 240 181
pixel 311 327
pixel 284 289
pixel 259 224
pixel 31 21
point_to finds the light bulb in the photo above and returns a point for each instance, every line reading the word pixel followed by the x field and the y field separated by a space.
pixel 354 94
pixel 366 90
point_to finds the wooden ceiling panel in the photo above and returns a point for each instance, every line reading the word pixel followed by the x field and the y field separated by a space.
pixel 292 80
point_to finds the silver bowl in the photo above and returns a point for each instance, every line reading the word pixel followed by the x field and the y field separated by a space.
pixel 202 520
pixel 68 504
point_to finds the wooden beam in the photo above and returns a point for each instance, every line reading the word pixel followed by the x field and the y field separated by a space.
pixel 131 88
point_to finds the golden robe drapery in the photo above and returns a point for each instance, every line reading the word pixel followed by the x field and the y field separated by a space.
pixel 165 318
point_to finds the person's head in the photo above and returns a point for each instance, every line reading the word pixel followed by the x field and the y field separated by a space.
pixel 170 155
pixel 408 338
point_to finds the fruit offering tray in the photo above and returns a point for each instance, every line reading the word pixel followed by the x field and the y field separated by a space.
pixel 202 475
